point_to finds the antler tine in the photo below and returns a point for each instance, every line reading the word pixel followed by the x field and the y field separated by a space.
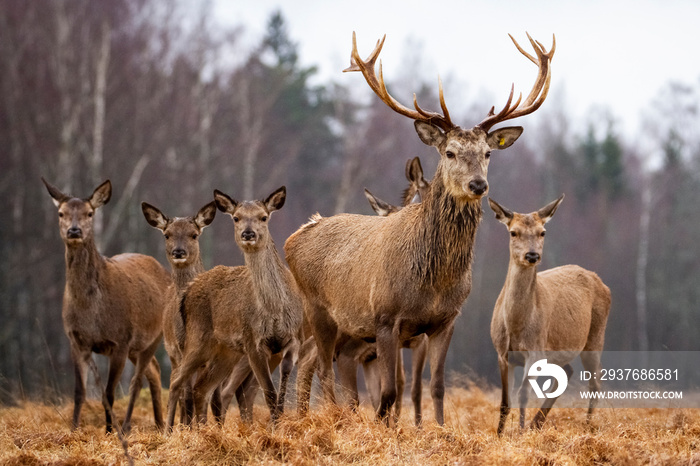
pixel 539 91
pixel 367 68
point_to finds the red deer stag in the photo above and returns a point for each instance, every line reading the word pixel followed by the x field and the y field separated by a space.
pixel 388 279
pixel 181 236
pixel 111 306
pixel 564 310
pixel 233 312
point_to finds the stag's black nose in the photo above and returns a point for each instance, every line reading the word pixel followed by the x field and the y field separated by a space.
pixel 248 235
pixel 532 257
pixel 179 253
pixel 74 232
pixel 478 186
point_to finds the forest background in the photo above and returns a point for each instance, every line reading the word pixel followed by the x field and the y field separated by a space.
pixel 127 90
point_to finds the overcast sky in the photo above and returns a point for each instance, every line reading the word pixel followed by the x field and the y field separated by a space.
pixel 615 54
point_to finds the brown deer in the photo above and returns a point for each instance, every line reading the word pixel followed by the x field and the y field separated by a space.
pixel 181 236
pixel 389 279
pixel 111 306
pixel 563 310
pixel 233 312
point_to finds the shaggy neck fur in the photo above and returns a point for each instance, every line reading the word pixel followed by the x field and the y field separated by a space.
pixel 269 279
pixel 445 236
pixel 83 266
pixel 182 276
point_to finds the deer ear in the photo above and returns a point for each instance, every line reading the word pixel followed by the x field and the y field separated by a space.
pixel 503 215
pixel 380 207
pixel 547 212
pixel 275 201
pixel 56 194
pixel 224 202
pixel 205 215
pixel 504 137
pixel 154 216
pixel 101 195
pixel 429 134
pixel 414 171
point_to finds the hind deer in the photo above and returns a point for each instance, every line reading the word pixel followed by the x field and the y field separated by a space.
pixel 563 310
pixel 389 279
pixel 181 236
pixel 111 306
pixel 233 312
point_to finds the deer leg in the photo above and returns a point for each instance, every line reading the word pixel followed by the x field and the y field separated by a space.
pixel 541 415
pixel 245 397
pixel 142 363
pixel 154 385
pixel 591 363
pixel 288 361
pixel 325 335
pixel 234 386
pixel 180 378
pixel 373 381
pixel 346 362
pixel 308 364
pixel 438 344
pixel 80 366
pixel 387 355
pixel 505 370
pixel 209 380
pixel 261 369
pixel 400 384
pixel 116 365
pixel 420 353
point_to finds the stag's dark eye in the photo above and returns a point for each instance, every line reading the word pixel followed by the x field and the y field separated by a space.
pixel 194 236
pixel 167 236
pixel 513 234
pixel 89 214
pixel 60 215
pixel 488 154
pixel 542 234
pixel 235 219
pixel 264 218
pixel 449 154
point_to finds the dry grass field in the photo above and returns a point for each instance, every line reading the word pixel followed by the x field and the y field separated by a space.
pixel 39 434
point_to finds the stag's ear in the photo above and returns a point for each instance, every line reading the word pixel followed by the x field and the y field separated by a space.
pixel 429 133
pixel 380 207
pixel 56 194
pixel 205 215
pixel 224 202
pixel 414 171
pixel 547 212
pixel 154 216
pixel 503 215
pixel 275 201
pixel 101 195
pixel 503 137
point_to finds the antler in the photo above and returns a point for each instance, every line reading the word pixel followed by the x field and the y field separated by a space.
pixel 539 90
pixel 379 88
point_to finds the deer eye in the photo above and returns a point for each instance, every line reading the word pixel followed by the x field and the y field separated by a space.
pixel 513 234
pixel 488 154
pixel 167 236
pixel 264 218
pixel 90 214
pixel 194 236
pixel 236 219
pixel 542 234
pixel 449 154
pixel 60 215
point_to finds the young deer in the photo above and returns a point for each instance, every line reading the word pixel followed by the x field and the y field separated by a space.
pixel 389 279
pixel 111 306
pixel 181 236
pixel 564 309
pixel 233 312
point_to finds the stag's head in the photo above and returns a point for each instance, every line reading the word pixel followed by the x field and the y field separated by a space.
pixel 75 215
pixel 526 231
pixel 464 153
pixel 181 233
pixel 250 218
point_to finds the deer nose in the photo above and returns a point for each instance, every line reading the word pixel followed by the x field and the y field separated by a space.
pixel 532 257
pixel 179 253
pixel 74 232
pixel 478 186
pixel 248 235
